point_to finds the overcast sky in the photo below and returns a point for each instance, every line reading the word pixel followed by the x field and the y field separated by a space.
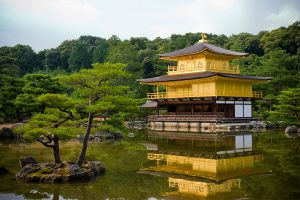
pixel 46 23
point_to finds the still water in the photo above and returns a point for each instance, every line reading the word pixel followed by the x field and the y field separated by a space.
pixel 160 165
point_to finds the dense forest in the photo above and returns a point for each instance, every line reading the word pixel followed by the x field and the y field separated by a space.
pixel 25 74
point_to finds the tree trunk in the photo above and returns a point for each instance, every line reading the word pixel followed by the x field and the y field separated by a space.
pixel 18 115
pixel 85 140
pixel 56 149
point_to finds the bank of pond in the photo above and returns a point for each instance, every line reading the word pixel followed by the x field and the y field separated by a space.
pixel 162 165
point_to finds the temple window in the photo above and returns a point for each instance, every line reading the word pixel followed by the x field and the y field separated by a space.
pixel 181 67
pixel 224 66
pixel 200 65
pixel 220 107
pixel 209 65
pixel 207 108
pixel 198 108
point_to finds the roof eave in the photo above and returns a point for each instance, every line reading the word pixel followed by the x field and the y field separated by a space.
pixel 206 49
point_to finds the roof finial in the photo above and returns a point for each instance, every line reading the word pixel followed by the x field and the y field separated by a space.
pixel 203 38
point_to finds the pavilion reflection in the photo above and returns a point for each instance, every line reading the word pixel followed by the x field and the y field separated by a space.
pixel 191 188
pixel 207 164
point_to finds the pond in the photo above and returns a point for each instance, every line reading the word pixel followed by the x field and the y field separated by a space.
pixel 160 165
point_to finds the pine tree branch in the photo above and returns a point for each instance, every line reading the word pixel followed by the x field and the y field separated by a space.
pixel 46 144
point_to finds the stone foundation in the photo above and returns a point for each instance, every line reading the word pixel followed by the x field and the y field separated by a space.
pixel 205 127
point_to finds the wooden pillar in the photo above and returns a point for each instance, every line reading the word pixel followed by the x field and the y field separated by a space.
pixel 214 108
pixel 192 109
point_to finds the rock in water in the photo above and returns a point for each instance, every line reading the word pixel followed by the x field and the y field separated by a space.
pixel 291 129
pixel 291 132
pixel 131 135
pixel 26 161
pixel 118 135
pixel 3 171
pixel 57 173
pixel 6 133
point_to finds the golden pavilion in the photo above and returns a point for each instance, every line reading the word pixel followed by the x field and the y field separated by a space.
pixel 203 87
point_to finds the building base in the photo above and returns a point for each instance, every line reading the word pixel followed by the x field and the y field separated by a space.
pixel 204 127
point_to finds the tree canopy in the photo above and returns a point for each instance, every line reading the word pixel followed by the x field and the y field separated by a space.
pixel 55 123
pixel 102 94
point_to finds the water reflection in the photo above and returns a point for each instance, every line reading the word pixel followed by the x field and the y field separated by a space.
pixel 190 188
pixel 207 164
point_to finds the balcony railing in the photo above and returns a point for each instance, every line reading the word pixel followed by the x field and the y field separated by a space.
pixel 257 94
pixel 172 70
pixel 184 118
pixel 175 95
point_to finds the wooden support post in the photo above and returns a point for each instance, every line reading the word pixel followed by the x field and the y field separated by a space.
pixel 214 108
pixel 192 109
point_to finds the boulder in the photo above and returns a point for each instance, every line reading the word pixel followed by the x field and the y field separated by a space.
pixel 3 171
pixel 6 133
pixel 291 129
pixel 131 135
pixel 26 161
pixel 26 170
pixel 57 173
pixel 291 132
pixel 96 167
pixel 118 135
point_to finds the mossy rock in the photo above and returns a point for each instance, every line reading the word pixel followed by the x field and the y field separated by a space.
pixel 64 172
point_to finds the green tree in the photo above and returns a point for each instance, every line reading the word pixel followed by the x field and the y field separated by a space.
pixel 282 67
pixel 102 93
pixel 245 42
pixel 8 64
pixel 35 85
pixel 79 57
pixel 139 43
pixel 123 52
pixel 100 51
pixel 25 58
pixel 65 49
pixel 56 123
pixel 288 107
pixel 52 59
pixel 10 88
pixel 287 39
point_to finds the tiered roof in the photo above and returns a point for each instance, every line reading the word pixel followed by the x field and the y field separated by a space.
pixel 198 75
pixel 201 47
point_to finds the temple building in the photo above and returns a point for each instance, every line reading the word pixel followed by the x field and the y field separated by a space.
pixel 203 87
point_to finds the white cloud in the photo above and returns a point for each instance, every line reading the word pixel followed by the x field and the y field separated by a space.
pixel 285 16
pixel 62 14
pixel 41 23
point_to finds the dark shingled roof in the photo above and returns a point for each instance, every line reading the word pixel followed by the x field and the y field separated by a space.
pixel 199 75
pixel 201 46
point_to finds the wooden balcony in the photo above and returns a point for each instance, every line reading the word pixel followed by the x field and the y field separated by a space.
pixel 217 117
pixel 182 118
pixel 178 95
pixel 173 70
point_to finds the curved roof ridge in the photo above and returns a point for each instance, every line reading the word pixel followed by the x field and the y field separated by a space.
pixel 199 47
pixel 198 75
